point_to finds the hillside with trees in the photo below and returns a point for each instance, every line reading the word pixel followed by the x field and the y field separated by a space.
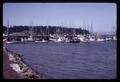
pixel 45 30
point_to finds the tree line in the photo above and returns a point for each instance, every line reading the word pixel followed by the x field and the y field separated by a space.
pixel 45 30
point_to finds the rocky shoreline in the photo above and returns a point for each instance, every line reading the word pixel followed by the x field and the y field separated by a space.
pixel 21 69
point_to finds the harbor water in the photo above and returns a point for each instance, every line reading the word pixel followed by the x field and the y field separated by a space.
pixel 89 60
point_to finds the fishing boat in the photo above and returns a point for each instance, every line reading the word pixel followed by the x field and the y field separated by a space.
pixel 43 40
pixel 108 39
pixel 12 41
pixel 75 41
pixel 114 38
pixel 100 39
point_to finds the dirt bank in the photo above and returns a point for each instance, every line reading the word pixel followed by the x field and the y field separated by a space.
pixel 15 68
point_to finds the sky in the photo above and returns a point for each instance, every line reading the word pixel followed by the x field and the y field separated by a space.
pixel 102 16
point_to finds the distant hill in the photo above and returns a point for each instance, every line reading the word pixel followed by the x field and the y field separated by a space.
pixel 46 30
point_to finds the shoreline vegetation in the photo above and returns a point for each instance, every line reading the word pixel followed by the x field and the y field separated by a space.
pixel 15 68
pixel 44 30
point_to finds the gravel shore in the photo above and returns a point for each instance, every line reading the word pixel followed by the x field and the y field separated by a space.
pixel 14 67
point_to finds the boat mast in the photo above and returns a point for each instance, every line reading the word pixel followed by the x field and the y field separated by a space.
pixel 31 31
pixel 48 30
pixel 114 30
pixel 91 30
pixel 88 28
pixel 84 29
pixel 8 26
